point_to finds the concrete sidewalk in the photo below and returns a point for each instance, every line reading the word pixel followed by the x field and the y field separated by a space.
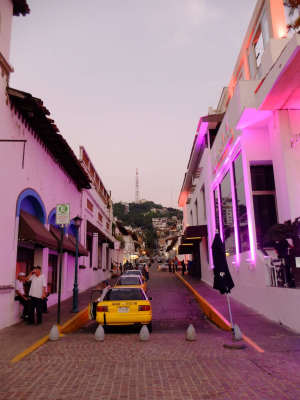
pixel 271 336
pixel 16 338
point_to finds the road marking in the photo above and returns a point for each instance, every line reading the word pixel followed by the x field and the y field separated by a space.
pixel 30 349
pixel 71 325
pixel 214 315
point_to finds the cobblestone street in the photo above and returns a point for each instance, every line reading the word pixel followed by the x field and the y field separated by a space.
pixel 167 367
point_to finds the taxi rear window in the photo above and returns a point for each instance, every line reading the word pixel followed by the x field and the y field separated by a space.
pixel 130 280
pixel 125 294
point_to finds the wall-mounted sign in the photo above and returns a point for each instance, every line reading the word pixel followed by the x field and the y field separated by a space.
pixel 297 262
pixel 62 214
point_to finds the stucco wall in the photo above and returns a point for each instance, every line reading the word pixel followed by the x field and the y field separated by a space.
pixel 54 186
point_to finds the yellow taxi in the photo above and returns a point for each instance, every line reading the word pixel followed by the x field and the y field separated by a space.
pixel 125 305
pixel 131 280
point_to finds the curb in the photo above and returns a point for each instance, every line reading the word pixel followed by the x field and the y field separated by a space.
pixel 72 325
pixel 211 313
pixel 214 315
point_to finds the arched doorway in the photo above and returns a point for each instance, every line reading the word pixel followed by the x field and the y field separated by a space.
pixel 30 205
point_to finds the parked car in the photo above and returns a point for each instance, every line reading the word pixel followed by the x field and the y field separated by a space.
pixel 125 306
pixel 134 272
pixel 131 280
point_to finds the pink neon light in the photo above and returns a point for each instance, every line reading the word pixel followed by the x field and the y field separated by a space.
pixel 220 214
pixel 224 167
pixel 248 195
pixel 216 183
pixel 235 219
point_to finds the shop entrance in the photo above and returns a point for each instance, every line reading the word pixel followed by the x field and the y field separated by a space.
pixel 25 259
pixel 52 273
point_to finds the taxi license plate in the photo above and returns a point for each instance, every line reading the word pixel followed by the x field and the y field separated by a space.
pixel 123 309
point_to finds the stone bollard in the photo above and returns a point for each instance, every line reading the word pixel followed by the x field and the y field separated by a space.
pixel 190 333
pixel 144 334
pixel 99 334
pixel 237 334
pixel 54 333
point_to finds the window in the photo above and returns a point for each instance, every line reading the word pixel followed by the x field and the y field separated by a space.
pixel 264 201
pixel 124 294
pixel 191 214
pixel 259 47
pixel 89 246
pixel 260 41
pixel 241 212
pixel 129 280
pixel 99 256
pixel 89 205
pixel 227 215
pixel 291 18
pixel 216 203
pixel 100 218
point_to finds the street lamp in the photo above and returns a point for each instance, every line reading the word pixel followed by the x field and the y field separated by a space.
pixel 77 222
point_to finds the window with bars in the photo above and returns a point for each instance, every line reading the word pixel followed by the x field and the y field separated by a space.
pixel 89 205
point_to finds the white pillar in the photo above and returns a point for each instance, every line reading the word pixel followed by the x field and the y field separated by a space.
pixel 95 251
pixel 104 250
pixel 41 257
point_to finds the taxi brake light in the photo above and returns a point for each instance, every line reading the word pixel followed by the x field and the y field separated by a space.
pixel 102 308
pixel 144 308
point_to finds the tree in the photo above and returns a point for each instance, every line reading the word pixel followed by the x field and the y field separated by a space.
pixel 293 5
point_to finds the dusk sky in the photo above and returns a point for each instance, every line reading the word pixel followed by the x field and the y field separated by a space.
pixel 129 80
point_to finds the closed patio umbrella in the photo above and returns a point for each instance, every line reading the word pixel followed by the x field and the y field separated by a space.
pixel 222 278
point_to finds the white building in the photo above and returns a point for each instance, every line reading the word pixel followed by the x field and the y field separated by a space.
pixel 243 175
pixel 38 171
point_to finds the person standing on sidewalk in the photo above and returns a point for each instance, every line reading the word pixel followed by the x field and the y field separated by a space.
pixel 20 294
pixel 146 272
pixel 183 267
pixel 37 294
pixel 176 264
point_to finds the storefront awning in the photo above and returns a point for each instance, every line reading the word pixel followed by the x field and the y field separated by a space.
pixel 187 248
pixel 82 251
pixel 67 243
pixel 195 232
pixel 32 230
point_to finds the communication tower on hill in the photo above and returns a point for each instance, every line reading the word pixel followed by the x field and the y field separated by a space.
pixel 137 187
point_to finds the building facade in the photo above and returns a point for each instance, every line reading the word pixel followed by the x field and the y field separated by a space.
pixel 243 175
pixel 39 171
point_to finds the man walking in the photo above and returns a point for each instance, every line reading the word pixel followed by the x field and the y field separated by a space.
pixel 37 294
